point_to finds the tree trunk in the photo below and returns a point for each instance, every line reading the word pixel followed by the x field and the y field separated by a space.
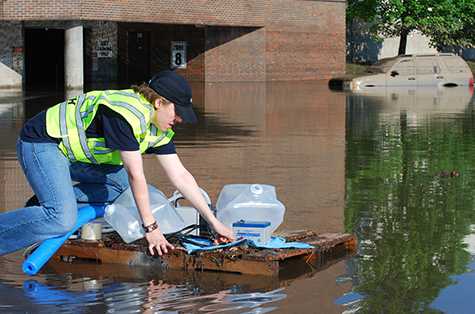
pixel 403 42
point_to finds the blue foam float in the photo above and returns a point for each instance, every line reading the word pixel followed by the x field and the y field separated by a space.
pixel 41 255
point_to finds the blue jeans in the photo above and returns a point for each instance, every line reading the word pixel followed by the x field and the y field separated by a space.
pixel 51 177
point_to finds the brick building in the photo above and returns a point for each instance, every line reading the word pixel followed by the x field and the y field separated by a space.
pixel 53 43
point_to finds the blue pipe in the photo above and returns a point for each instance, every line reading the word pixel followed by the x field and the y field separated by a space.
pixel 43 253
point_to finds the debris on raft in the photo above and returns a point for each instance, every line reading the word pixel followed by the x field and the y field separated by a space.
pixel 240 259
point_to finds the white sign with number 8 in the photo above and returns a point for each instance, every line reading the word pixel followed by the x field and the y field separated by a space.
pixel 178 54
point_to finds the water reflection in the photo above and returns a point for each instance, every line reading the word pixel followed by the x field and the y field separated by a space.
pixel 410 213
pixel 120 289
pixel 419 100
pixel 124 297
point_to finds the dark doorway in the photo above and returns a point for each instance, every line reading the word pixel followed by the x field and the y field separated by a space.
pixel 44 59
pixel 138 65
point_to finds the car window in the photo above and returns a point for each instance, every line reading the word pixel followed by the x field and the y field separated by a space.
pixel 404 67
pixel 387 64
pixel 455 65
pixel 425 66
pixel 382 66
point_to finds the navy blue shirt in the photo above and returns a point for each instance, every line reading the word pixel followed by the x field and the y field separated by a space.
pixel 107 124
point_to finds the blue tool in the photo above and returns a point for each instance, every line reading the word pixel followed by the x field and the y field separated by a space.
pixel 47 248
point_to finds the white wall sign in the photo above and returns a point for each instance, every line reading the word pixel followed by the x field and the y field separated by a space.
pixel 178 54
pixel 104 48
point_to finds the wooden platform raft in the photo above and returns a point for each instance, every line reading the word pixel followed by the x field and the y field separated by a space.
pixel 244 260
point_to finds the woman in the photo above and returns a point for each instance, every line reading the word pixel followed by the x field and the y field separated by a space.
pixel 97 139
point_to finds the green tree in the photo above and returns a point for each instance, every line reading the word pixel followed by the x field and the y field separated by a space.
pixel 445 22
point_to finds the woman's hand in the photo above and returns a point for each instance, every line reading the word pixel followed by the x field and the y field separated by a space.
pixel 157 240
pixel 225 234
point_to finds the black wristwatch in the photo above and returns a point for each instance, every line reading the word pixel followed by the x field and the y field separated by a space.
pixel 150 228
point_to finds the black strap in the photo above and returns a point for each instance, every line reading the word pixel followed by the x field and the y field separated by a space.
pixel 183 231
pixel 183 236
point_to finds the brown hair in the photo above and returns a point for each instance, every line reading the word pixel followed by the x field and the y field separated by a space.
pixel 148 93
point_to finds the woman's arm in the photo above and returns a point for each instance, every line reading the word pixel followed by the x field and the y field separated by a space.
pixel 133 164
pixel 182 179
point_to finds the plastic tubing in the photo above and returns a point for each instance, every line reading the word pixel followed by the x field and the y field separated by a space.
pixel 45 250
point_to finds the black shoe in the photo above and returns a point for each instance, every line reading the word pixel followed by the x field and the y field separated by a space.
pixel 33 201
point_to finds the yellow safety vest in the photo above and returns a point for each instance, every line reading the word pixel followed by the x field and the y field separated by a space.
pixel 69 120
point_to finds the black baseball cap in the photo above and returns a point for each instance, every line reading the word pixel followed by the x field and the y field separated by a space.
pixel 175 89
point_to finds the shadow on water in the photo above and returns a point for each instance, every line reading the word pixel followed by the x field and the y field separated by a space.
pixel 211 131
pixel 410 177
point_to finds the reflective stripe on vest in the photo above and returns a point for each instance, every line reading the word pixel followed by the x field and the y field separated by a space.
pixel 70 119
pixel 156 138
pixel 64 130
pixel 154 132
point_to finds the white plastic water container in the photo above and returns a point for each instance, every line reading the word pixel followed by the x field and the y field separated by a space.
pixel 257 231
pixel 190 216
pixel 124 216
pixel 249 202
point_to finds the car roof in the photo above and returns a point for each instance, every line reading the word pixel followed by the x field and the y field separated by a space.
pixel 385 64
pixel 394 59
pixel 441 54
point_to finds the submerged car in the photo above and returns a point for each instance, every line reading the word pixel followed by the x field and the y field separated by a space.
pixel 444 69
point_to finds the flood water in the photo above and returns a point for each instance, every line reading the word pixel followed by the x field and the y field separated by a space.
pixel 395 167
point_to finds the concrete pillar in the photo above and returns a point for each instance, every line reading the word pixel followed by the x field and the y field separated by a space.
pixel 73 58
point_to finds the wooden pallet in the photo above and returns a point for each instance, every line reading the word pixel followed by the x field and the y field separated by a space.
pixel 244 260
